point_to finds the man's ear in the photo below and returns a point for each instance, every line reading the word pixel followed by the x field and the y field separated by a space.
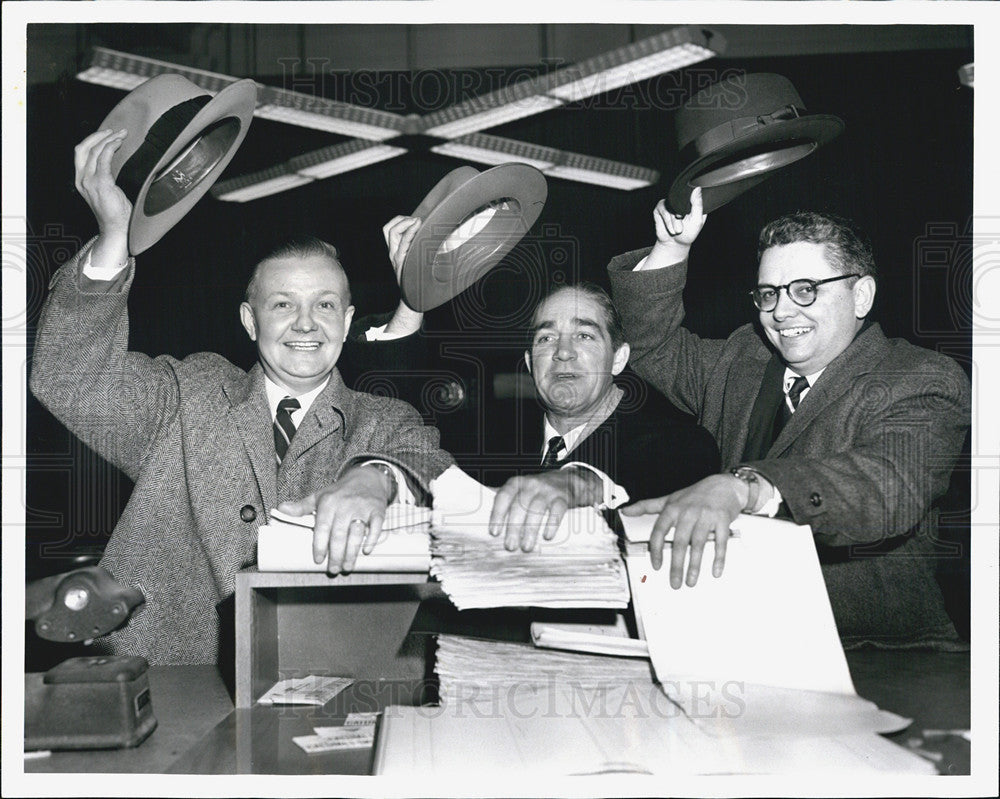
pixel 527 360
pixel 249 320
pixel 348 316
pixel 864 296
pixel 621 358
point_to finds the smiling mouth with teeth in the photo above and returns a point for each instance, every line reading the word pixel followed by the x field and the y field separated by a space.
pixel 304 346
pixel 792 332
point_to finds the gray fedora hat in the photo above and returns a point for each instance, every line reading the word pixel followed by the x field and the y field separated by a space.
pixel 735 133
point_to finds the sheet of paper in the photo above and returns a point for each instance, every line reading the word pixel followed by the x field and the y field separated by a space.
pixel 428 742
pixel 766 620
pixel 285 543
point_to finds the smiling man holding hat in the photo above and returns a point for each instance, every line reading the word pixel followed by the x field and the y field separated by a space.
pixel 819 417
pixel 212 448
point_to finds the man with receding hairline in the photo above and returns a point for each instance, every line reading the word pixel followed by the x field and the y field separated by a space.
pixel 212 448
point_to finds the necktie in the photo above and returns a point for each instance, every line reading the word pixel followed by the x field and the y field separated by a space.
pixel 284 427
pixel 556 445
pixel 799 384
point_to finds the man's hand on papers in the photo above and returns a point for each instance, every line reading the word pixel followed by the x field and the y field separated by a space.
pixel 111 208
pixel 693 513
pixel 535 503
pixel 349 517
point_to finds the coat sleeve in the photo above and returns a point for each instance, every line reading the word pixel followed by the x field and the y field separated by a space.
pixel 674 360
pixel 400 437
pixel 114 400
pixel 882 482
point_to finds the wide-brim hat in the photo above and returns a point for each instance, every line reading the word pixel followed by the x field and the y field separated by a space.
pixel 734 134
pixel 180 139
pixel 471 220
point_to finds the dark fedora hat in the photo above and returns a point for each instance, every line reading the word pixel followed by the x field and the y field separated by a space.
pixel 733 134
pixel 471 220
pixel 180 139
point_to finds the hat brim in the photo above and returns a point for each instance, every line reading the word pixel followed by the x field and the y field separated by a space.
pixel 161 202
pixel 430 275
pixel 766 150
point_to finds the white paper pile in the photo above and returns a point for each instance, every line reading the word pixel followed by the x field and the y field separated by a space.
pixel 284 544
pixel 580 567
pixel 477 671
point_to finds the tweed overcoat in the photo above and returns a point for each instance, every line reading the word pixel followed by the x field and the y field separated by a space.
pixel 861 461
pixel 195 435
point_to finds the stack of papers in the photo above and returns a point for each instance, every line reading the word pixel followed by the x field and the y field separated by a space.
pixel 580 567
pixel 477 671
pixel 598 639
pixel 284 544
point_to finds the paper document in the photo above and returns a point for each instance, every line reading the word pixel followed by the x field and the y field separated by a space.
pixel 766 620
pixel 580 567
pixel 311 690
pixel 601 639
pixel 285 543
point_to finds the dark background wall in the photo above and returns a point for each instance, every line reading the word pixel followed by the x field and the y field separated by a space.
pixel 902 169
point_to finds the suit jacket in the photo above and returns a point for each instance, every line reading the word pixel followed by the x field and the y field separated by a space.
pixel 195 436
pixel 647 447
pixel 869 449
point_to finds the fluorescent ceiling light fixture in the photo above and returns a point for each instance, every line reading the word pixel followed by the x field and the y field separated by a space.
pixel 126 71
pixel 664 52
pixel 486 112
pixel 342 158
pixel 485 149
pixel 319 113
pixel 258 184
pixel 602 172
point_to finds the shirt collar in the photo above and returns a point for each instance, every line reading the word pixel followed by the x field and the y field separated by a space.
pixel 569 438
pixel 790 378
pixel 276 394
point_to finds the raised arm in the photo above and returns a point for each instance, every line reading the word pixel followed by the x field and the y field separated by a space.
pixel 112 399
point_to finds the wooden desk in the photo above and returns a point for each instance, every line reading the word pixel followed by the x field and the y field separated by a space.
pixel 199 731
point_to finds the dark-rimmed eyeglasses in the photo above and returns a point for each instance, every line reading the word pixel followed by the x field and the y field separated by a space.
pixel 801 292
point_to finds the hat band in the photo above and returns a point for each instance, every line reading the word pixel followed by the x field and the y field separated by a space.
pixel 728 132
pixel 160 136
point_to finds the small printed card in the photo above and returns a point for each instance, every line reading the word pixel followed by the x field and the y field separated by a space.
pixel 357 732
pixel 311 690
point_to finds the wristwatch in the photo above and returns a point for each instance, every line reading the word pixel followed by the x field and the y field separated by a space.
pixel 750 477
pixel 387 471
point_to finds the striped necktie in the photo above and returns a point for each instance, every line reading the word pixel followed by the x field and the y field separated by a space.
pixel 556 445
pixel 284 427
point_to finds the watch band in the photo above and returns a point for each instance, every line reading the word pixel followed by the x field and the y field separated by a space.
pixel 387 471
pixel 750 477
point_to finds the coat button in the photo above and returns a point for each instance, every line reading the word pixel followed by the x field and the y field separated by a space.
pixel 815 499
pixel 248 513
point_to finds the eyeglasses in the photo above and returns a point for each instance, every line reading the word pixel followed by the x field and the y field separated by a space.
pixel 801 292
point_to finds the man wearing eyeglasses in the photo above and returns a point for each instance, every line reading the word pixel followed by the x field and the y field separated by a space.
pixel 822 419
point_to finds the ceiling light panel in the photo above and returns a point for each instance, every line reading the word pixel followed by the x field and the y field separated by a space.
pixel 485 149
pixel 342 158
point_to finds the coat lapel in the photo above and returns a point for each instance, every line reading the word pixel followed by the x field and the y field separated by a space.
pixel 863 355
pixel 739 406
pixel 327 415
pixel 249 412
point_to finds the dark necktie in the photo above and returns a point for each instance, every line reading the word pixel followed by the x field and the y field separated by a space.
pixel 556 445
pixel 799 384
pixel 284 427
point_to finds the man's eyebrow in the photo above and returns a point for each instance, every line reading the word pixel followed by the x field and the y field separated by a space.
pixel 579 321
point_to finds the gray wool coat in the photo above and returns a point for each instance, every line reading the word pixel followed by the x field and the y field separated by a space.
pixel 861 461
pixel 195 436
